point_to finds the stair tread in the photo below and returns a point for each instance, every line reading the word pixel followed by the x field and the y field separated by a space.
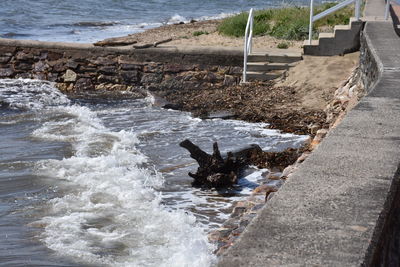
pixel 342 27
pixel 268 64
pixel 326 35
pixel 282 54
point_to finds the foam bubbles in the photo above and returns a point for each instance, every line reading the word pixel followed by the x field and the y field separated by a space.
pixel 110 212
pixel 29 94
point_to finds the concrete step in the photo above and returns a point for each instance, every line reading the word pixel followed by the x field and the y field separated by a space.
pixel 275 57
pixel 326 35
pixel 266 66
pixel 341 28
pixel 344 39
pixel 263 76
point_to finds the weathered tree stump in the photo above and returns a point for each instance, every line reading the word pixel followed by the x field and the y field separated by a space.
pixel 216 171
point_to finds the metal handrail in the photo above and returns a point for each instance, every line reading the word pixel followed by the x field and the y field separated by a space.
pixel 329 11
pixel 247 43
pixel 387 9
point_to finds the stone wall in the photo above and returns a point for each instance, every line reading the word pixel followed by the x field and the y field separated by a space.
pixel 370 71
pixel 78 67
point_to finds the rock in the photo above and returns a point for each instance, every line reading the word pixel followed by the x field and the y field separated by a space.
pixel 118 87
pixel 314 128
pixel 130 66
pixel 108 70
pixel 236 70
pixel 52 56
pixel 24 56
pixel 173 106
pixel 130 76
pixel 4 59
pixel 273 176
pixel 229 80
pixel 107 79
pixel 40 66
pixel 265 188
pixel 6 73
pixel 151 78
pixel 321 133
pixel 352 90
pixel 318 137
pixel 23 66
pixel 302 157
pixel 70 76
pixel 83 84
pixel 288 170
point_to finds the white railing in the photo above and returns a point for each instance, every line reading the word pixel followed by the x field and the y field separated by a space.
pixel 329 11
pixel 387 9
pixel 247 43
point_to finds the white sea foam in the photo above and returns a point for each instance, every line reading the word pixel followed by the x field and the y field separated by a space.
pixel 30 94
pixel 109 211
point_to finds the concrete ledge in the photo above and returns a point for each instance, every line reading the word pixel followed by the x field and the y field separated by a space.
pixel 337 209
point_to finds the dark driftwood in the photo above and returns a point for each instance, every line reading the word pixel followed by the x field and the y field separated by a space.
pixel 216 171
pixel 155 44
pixel 116 41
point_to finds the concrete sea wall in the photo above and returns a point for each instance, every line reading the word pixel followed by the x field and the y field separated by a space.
pixel 341 207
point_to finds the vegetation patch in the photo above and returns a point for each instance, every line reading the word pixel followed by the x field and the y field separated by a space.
pixel 289 23
pixel 283 45
pixel 198 33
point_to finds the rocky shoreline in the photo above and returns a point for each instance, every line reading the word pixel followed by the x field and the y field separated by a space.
pixel 345 98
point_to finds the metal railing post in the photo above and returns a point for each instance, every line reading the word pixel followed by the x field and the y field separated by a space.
pixel 311 22
pixel 387 9
pixel 357 10
pixel 247 44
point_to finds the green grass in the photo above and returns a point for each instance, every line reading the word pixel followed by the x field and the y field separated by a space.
pixel 283 45
pixel 289 23
pixel 198 33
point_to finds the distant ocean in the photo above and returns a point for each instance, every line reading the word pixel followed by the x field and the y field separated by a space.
pixel 93 20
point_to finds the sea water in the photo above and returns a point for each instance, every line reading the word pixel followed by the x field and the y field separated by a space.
pixel 93 20
pixel 86 182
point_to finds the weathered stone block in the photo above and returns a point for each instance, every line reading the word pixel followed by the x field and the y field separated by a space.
pixel 57 66
pixel 7 50
pixel 110 70
pixel 4 59
pixel 105 61
pixel 6 73
pixel 23 66
pixel 107 79
pixel 83 84
pixel 40 66
pixel 130 76
pixel 72 64
pixel 70 76
pixel 175 68
pixel 24 56
pixel 23 76
pixel 39 76
pixel 151 78
pixel 130 66
pixel 52 56
pixel 153 67
pixel 53 77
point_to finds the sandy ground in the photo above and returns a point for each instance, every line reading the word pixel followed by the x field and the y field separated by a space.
pixel 183 35
pixel 317 78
